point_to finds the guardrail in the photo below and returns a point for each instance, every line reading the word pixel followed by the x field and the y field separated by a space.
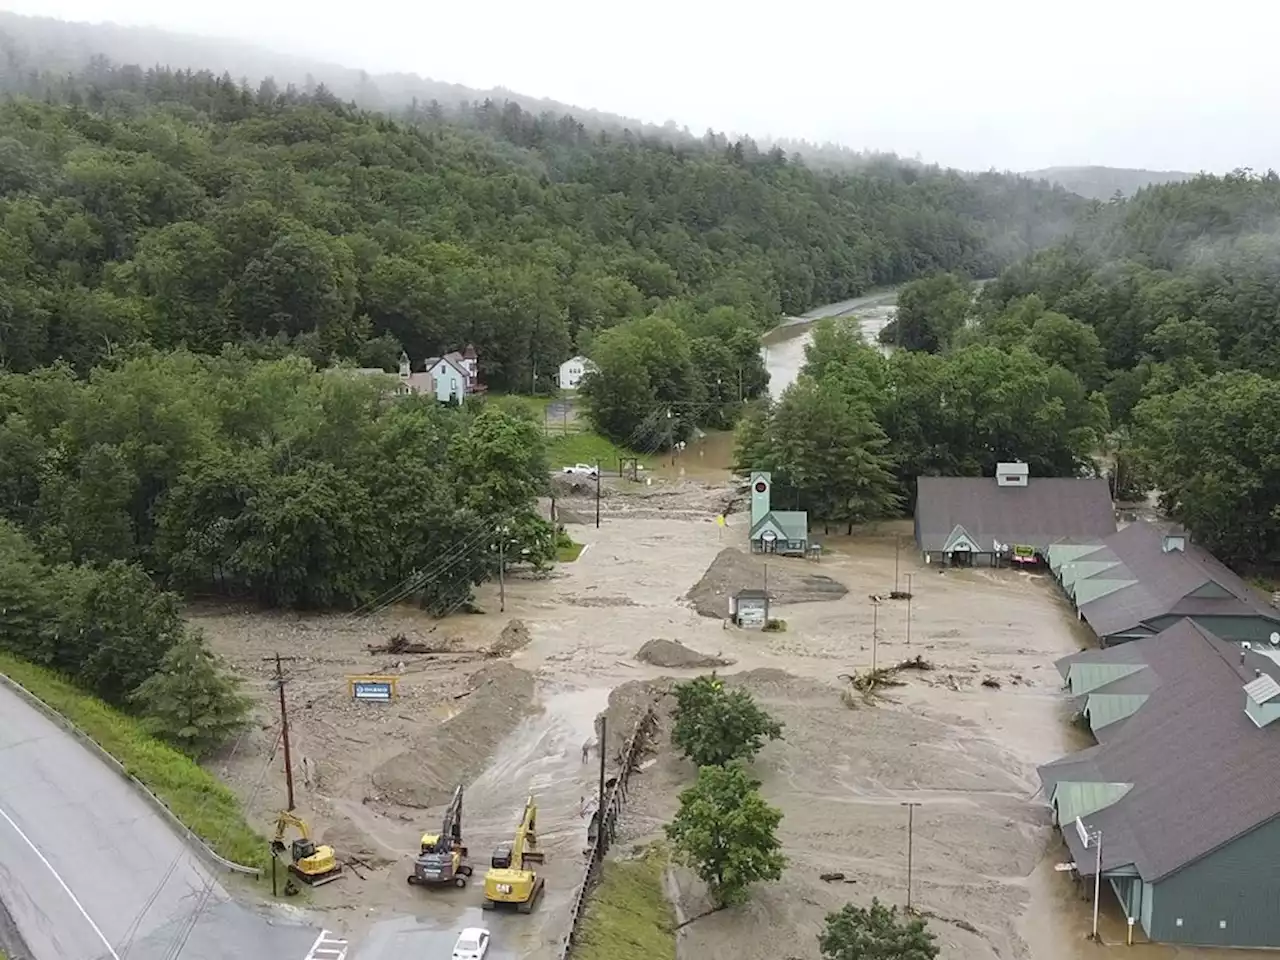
pixel 607 824
pixel 197 845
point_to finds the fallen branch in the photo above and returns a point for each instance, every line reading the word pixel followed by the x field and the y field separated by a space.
pixel 706 913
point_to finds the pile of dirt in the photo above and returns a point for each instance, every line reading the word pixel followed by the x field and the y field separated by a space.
pixel 672 654
pixel 575 485
pixel 628 702
pixel 732 570
pixel 456 751
pixel 600 601
pixel 349 842
pixel 514 636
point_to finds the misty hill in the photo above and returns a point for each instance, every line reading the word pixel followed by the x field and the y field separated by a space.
pixel 1102 183
pixel 181 208
pixel 57 46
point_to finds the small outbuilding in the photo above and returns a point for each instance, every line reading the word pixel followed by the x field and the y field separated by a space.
pixel 783 532
pixel 749 608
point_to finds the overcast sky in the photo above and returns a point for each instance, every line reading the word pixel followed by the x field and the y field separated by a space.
pixel 967 83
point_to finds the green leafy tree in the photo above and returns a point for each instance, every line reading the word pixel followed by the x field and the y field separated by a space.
pixel 715 726
pixel 191 700
pixel 1214 456
pixel 726 833
pixel 930 313
pixel 875 933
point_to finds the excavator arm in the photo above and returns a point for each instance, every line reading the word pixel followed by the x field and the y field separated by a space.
pixel 526 837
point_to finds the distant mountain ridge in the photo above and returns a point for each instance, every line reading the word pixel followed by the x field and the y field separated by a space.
pixel 1102 183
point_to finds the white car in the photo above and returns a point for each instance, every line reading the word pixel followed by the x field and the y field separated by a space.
pixel 473 944
pixel 582 470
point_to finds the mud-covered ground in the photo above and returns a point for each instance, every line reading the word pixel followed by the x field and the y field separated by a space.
pixel 966 752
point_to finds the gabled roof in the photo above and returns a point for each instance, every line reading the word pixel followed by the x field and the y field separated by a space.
pixel 1046 510
pixel 792 524
pixel 454 360
pixel 1203 773
pixel 1143 581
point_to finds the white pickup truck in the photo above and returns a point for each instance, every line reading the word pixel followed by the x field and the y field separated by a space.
pixel 582 470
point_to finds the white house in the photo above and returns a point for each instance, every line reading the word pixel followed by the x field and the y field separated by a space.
pixel 450 377
pixel 573 370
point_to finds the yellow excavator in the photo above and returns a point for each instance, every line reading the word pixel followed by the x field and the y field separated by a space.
pixel 312 864
pixel 510 879
pixel 442 856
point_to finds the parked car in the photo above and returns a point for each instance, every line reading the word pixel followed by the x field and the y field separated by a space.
pixel 473 944
pixel 582 470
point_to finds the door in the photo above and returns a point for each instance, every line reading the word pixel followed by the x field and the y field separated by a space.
pixel 962 557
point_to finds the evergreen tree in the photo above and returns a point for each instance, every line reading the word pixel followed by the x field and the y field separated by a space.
pixel 191 701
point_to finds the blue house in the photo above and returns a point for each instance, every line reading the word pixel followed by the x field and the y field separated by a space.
pixel 775 531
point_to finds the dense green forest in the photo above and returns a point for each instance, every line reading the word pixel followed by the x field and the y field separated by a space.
pixel 1164 311
pixel 181 209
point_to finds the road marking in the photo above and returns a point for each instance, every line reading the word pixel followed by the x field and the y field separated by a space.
pixel 62 883
pixel 326 948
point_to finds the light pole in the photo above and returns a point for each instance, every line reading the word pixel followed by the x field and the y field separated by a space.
pixel 875 630
pixel 1094 837
pixel 911 817
pixel 909 609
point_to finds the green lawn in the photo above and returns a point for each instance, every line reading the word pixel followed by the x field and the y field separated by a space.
pixel 206 806
pixel 628 916
pixel 587 447
pixel 568 552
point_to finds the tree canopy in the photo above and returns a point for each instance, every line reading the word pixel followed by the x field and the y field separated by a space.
pixel 726 833
pixel 875 933
pixel 714 726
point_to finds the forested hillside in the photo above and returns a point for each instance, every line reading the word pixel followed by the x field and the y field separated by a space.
pixel 178 208
pixel 1103 183
pixel 1170 302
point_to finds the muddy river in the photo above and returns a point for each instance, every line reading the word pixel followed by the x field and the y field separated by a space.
pixel 783 346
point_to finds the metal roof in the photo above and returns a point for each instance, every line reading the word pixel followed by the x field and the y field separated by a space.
pixel 1203 773
pixel 792 524
pixel 1105 709
pixel 1046 510
pixel 1073 800
pixel 1084 678
pixel 1262 689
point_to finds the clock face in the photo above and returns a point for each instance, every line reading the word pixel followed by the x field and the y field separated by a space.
pixel 761 486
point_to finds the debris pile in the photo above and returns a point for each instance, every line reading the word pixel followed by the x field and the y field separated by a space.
pixel 732 570
pixel 514 636
pixel 672 654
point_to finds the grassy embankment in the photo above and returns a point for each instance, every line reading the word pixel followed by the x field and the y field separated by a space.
pixel 588 447
pixel 196 798
pixel 628 916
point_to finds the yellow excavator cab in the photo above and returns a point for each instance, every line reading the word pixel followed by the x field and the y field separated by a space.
pixel 313 863
pixel 429 842
pixel 510 880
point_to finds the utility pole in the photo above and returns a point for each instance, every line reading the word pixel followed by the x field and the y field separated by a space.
pixel 766 578
pixel 875 630
pixel 897 549
pixel 601 842
pixel 908 609
pixel 1096 839
pixel 284 730
pixel 597 496
pixel 502 569
pixel 911 811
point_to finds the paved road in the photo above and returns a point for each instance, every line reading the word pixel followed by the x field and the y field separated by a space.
pixel 90 872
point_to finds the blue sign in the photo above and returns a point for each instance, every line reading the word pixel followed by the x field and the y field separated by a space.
pixel 371 691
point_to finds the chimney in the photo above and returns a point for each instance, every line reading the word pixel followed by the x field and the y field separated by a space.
pixel 1257 673
pixel 1012 474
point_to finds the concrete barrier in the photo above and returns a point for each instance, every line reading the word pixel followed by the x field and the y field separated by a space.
pixel 198 846
pixel 607 825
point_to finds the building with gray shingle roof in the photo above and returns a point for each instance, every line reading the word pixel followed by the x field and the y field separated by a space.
pixel 976 520
pixel 1184 787
pixel 1149 576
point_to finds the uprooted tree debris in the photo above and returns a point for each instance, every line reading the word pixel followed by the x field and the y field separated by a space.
pixel 871 682
pixel 402 644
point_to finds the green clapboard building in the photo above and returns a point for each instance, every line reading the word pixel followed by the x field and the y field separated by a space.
pixel 1183 787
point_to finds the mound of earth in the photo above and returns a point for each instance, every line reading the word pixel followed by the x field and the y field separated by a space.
pixel 514 636
pixel 732 570
pixel 456 751
pixel 350 842
pixel 628 702
pixel 672 654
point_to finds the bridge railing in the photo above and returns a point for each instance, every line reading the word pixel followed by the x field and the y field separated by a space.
pixel 606 820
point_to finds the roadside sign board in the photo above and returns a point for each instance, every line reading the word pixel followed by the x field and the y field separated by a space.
pixel 380 689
